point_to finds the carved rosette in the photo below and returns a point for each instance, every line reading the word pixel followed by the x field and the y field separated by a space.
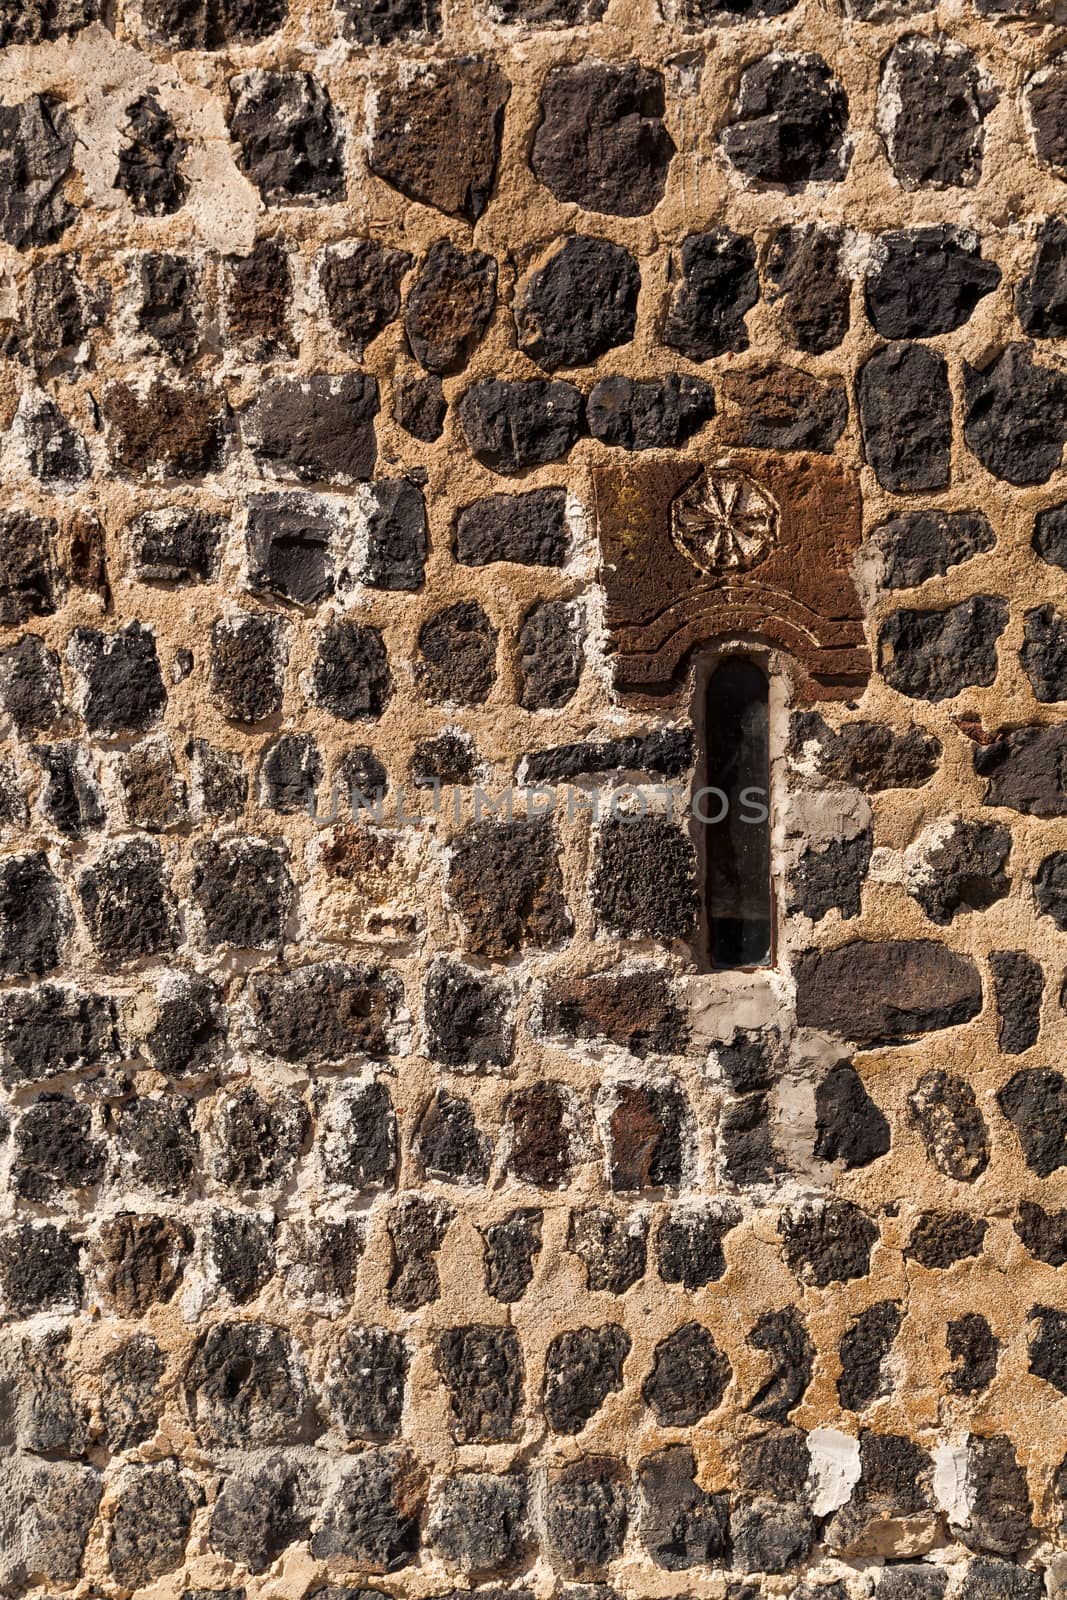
pixel 724 522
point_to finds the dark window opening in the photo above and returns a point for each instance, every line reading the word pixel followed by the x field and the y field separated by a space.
pixel 735 811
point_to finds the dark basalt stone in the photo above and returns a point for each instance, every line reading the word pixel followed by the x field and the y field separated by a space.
pixel 372 1518
pixel 168 310
pixel 483 1370
pixel 126 902
pixel 449 759
pixel 131 1399
pixel 1044 1233
pixel 601 141
pixel 371 22
pixel 582 1368
pixel 31 584
pixel 933 101
pixel 63 310
pixel 40 1269
pixel 359 1138
pixel 258 1141
pixel 551 649
pixel 926 281
pixel 785 1339
pixel 288 136
pixel 1046 102
pixel 211 24
pixel 419 406
pixel 586 1515
pixel 612 1248
pixel 238 1252
pixel 970 1342
pixel 450 306
pixel 150 1524
pixel 417 1228
pixel 887 991
pixel 830 878
pixel 770 1536
pixel 510 1248
pixel 176 544
pixel 242 892
pixel 479 1521
pixel 688 1379
pixel 789 121
pixel 682 1526
pixel 689 1243
pixel 644 877
pixel 863 1351
pixel 806 279
pixel 249 652
pixel 636 1011
pixel 165 430
pixel 917 545
pixel 781 408
pixel 54 1150
pixel 505 881
pixel 668 751
pixel 905 408
pixel 37 21
pixel 718 285
pixel 435 136
pixel 850 1126
pixel 158 1144
pixel 1024 767
pixel 326 1011
pixel 941 1238
pixel 987 1579
pixel 365 1383
pixel 1016 416
pixel 150 160
pixel 827 1242
pixel 999 1516
pixel 260 1513
pixel 934 655
pixel 448 1143
pixel 351 677
pixel 1041 297
pixel 467 1015
pixel 258 291
pixel 1035 1103
pixel 245 1387
pixel 944 1110
pixel 1044 653
pixel 649 1132
pixel 529 529
pixel 36 147
pixel 124 689
pixel 581 303
pixel 315 430
pixel 35 918
pixel 511 425
pixel 965 870
pixel 657 413
pixel 46 1031
pixel 1020 983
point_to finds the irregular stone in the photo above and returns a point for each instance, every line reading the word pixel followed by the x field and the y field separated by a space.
pixel 717 287
pixel 1044 105
pixel 660 413
pixel 288 136
pixel 54 1150
pixel 582 1368
pixel 688 1379
pixel 46 1031
pixel 153 795
pixel 317 429
pixel 359 1138
pixel 586 1515
pixel 1041 297
pixel 450 305
pixel 360 284
pixel 53 1505
pixel 169 286
pixel 550 654
pixel 373 1517
pixel 806 279
pixel 962 870
pixel 747 1153
pixel 613 1248
pixel 449 1144
pixel 932 102
pixel 165 430
pixel 62 311
pixel 887 991
pixel 999 1504
pixel 483 1370
pixel 350 677
pixel 895 1486
pixel 35 917
pixel 323 1258
pixel 644 878
pixel 258 1140
pixel 905 408
pixel 926 281
pixel 435 135
pixel 142 1260
pixel 863 1351
pixel 123 686
pixel 396 533
pixel 30 685
pixel 417 1227
pixel 1044 1233
pixel 789 122
pixel 245 1387
pixel 70 799
pixel 827 1241
pixel 850 1126
pixel 30 583
pixel 530 529
pixel 831 878
pixel 511 425
pixel 783 1336
pixel 1044 653
pixel 581 303
pixel 159 1147
pixel 769 1536
pixel 238 1253
pixel 365 1383
pixel 917 545
pixel 419 406
pixel 242 892
pixel 126 902
pixel 1016 416
pixel 39 1269
pixel 510 1247
pixel 1035 1103
pixel 258 1515
pixel 290 543
pixel 933 655
pixel 944 1110
pixel 1023 766
pixel 782 408
pixel 478 1521
pixel 55 453
pixel 258 292
pixel 636 1011
pixel 689 1243
pixel 467 1017
pixel 457 649
pixel 218 782
pixel 1050 888
pixel 541 1120
pixel 290 772
pixel 970 1343
pixel 176 544
pixel 371 22
pixel 668 751
pixel 941 1238
pixel 649 1135
pixel 131 1399
pixel 682 1526
pixel 986 1579
pixel 249 653
pixel 38 21
pixel 189 1026
pixel 36 146
pixel 324 1012
pixel 150 1524
pixel 505 882
pixel 601 141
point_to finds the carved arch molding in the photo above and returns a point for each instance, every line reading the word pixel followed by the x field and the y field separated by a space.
pixel 742 543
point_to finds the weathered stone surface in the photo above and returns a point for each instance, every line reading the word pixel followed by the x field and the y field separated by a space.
pixel 644 878
pixel 1035 1103
pixel 1016 416
pixel 1044 103
pixel 963 869
pixel 42 20
pixel 505 882
pixel 1024 768
pixel 582 1368
pixel 39 1269
pixel 448 1143
pixel 257 295
pixel 483 1370
pixel 36 147
pixel 1044 1233
pixel 478 1522
pixel 850 1126
pixel 789 120
pixel 35 917
pixel 30 584
pixel 586 1515
pixel 1041 297
pixel 47 1030
pixel 1019 981
pixel 510 1248
pixel 941 1238
pixel 529 528
pixel 245 1387
pixel 131 1398
pixel 649 1133
pixel 417 1228
pixel 905 411
pixel 165 430
pixel 827 1241
pixel 830 878
pixel 1000 1580
pixel 781 408
pixel 169 304
pixel 918 545
pixel 689 1243
pixel 933 101
pixel 647 415
pixel 886 991
pixel 970 1342
pixel 457 647
pixel 933 655
pixel 318 429
pixel 681 1525
pixel 249 651
pixel 688 1378
pixel 524 423
pixel 359 1137
pixel 718 285
pixel 806 279
pixel 419 406
pixel 351 677
pixel 601 141
pixel 365 1383
pixel 449 307
pixel 863 1351
pixel 951 1126
pixel 360 285
pixel 323 1012
pixel 784 1338
pixel 373 1516
pixel 1044 653
pixel 636 1011
pixel 581 303
pixel 258 1515
pixel 999 1515
pixel 436 135
pixel 289 137
pixel 150 1524
pixel 467 1015
pixel 151 160
pixel 926 281
pixel 613 1248
pixel 551 644
pixel 54 1150
pixel 242 892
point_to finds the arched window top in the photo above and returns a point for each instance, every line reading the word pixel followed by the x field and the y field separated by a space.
pixel 735 812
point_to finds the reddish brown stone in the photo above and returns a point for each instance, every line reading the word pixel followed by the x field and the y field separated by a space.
pixel 635 1011
pixel 540 1144
pixel 886 991
pixel 142 1259
pixel 436 137
pixel 171 431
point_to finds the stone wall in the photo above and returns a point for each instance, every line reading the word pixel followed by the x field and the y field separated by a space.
pixel 393 1201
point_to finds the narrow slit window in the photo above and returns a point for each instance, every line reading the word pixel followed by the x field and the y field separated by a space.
pixel 736 814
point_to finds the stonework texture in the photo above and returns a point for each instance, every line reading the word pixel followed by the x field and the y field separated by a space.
pixel 392 1202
